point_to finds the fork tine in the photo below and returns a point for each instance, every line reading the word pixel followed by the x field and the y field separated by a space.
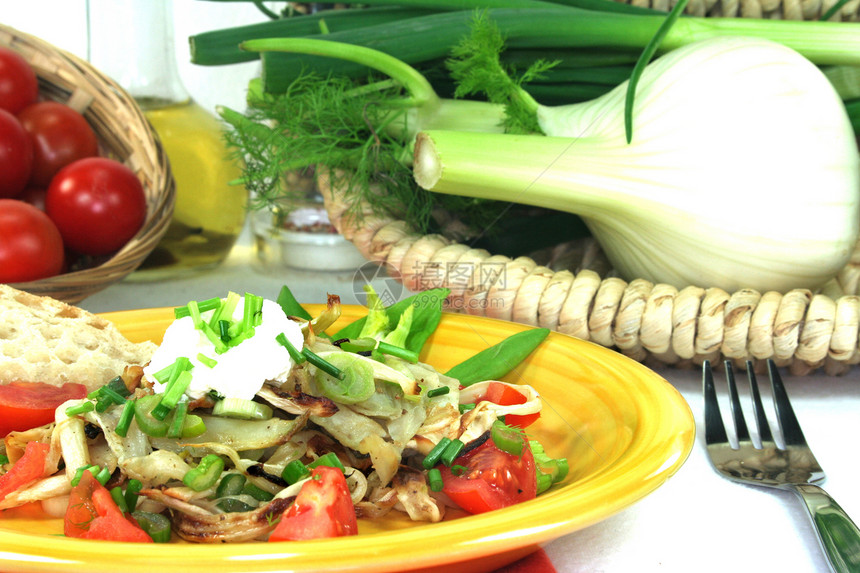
pixel 741 430
pixel 714 430
pixel 788 424
pixel 760 418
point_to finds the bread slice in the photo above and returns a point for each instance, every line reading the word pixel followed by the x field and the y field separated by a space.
pixel 46 340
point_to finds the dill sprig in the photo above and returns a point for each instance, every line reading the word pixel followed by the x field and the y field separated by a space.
pixel 341 124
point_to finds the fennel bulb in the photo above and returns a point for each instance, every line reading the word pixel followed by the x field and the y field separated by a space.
pixel 743 170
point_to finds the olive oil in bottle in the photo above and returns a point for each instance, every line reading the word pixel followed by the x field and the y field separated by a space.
pixel 132 42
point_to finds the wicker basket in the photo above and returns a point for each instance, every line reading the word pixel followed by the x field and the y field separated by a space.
pixel 774 9
pixel 124 134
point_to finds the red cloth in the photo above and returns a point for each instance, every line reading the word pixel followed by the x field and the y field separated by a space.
pixel 537 562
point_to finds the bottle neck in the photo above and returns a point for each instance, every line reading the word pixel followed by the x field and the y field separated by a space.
pixel 132 42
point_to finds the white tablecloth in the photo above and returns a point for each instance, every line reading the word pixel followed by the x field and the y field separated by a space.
pixel 695 522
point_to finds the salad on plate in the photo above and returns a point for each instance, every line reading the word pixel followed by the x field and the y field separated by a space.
pixel 252 422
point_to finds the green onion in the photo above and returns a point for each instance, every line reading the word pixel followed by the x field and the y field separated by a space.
pixel 79 473
pixel 295 354
pixel 330 459
pixel 391 349
pixel 295 471
pixel 3 460
pixel 225 311
pixel 233 505
pixel 465 407
pixel 451 452
pixel 224 331
pixel 81 408
pixel 171 396
pixel 174 430
pixel 206 360
pixel 147 423
pixel 506 438
pixel 205 474
pixel 435 455
pixel 193 426
pixel 155 525
pixel 434 477
pixel 242 409
pixel 104 475
pixel 230 485
pixel 202 306
pixel 125 419
pixel 441 391
pixel 322 364
pixel 131 493
pixel 119 499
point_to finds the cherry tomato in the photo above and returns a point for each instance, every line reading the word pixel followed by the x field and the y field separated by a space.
pixel 19 86
pixel 92 514
pixel 16 156
pixel 28 468
pixel 97 203
pixel 60 136
pixel 322 509
pixel 25 405
pixel 492 478
pixel 31 247
pixel 506 395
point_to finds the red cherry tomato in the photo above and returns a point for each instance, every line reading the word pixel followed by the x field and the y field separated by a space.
pixel 60 136
pixel 98 204
pixel 322 509
pixel 16 156
pixel 19 86
pixel 492 478
pixel 25 405
pixel 31 247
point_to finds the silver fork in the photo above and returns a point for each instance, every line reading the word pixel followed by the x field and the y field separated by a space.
pixel 789 466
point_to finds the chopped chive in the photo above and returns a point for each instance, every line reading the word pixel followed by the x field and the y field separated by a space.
pixel 230 484
pixel 323 364
pixel 436 453
pixel 202 306
pixel 257 493
pixel 434 476
pixel 81 408
pixel 295 471
pixel 79 473
pixel 224 330
pixel 125 419
pixel 330 459
pixel 178 422
pixel 103 476
pixel 451 452
pixel 172 395
pixel 206 361
pixel 225 311
pixel 119 499
pixel 391 349
pixel 131 493
pixel 295 354
pixel 441 391
pixel 111 394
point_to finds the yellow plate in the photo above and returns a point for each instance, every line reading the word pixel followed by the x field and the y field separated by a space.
pixel 622 427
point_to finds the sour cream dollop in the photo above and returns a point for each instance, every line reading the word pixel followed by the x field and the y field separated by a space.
pixel 240 371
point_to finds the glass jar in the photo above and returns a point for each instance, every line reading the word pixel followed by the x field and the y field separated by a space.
pixel 132 42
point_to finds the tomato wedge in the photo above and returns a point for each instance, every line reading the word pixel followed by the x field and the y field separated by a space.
pixel 28 468
pixel 322 509
pixel 92 514
pixel 506 395
pixel 25 405
pixel 491 478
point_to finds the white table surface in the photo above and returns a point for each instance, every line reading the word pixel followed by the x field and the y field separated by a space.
pixel 695 522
